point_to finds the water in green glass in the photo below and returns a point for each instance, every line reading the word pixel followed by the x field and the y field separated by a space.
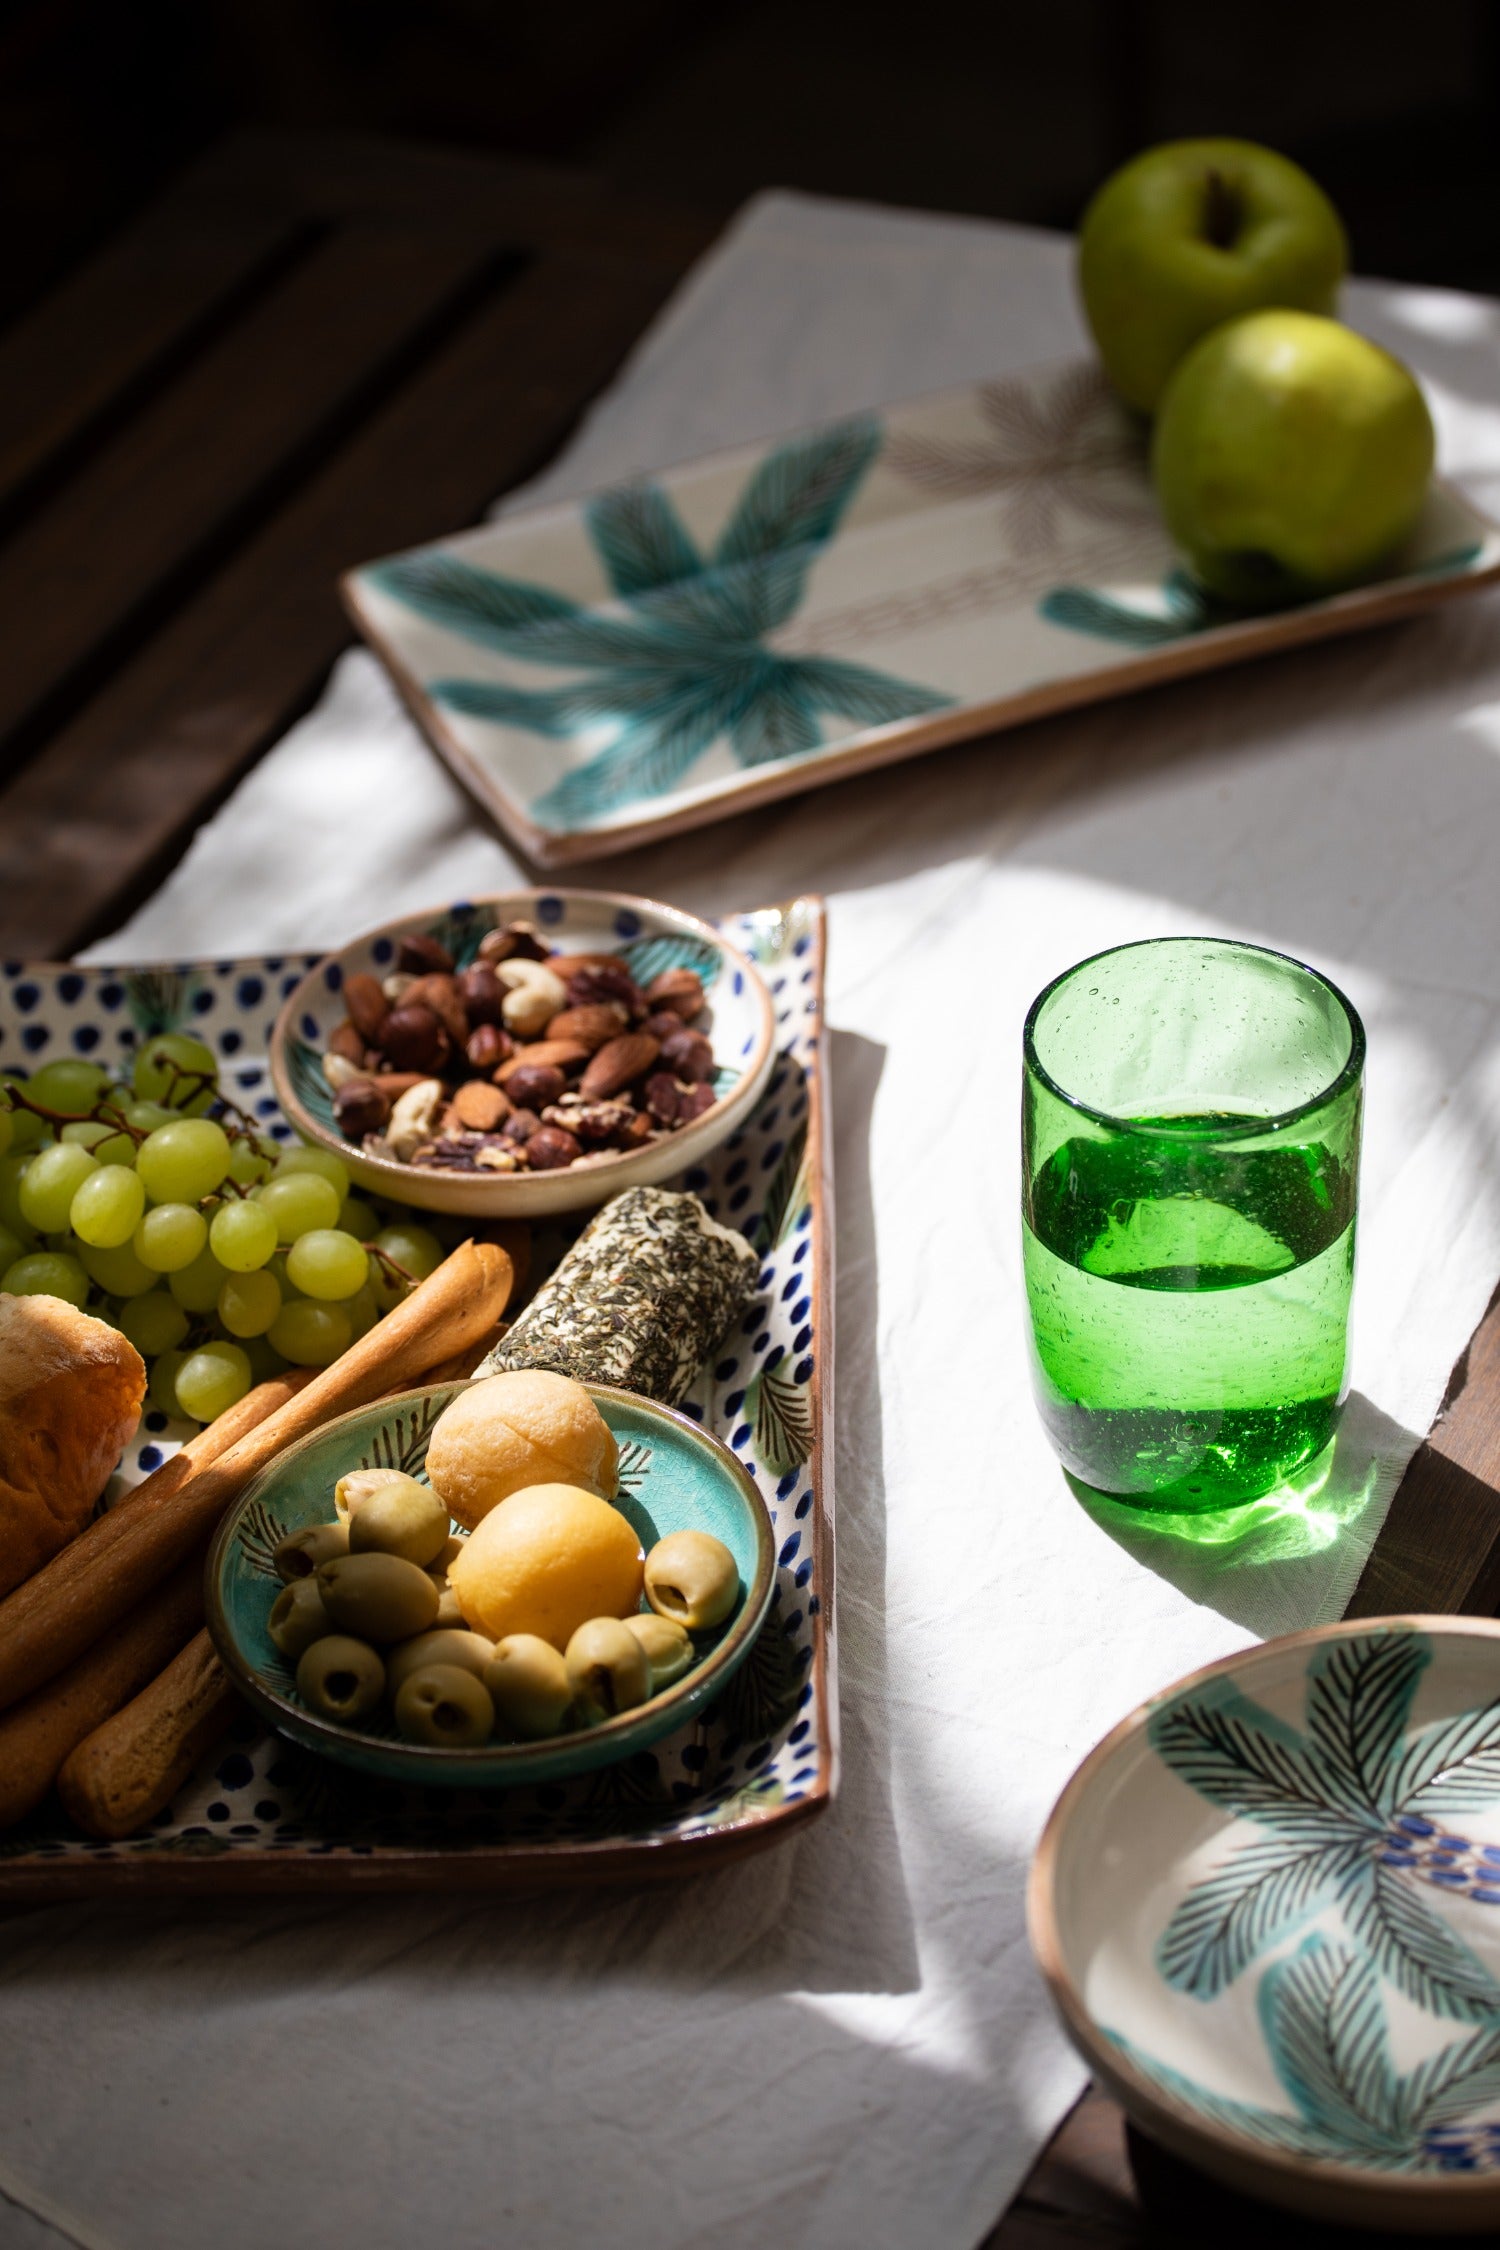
pixel 1188 1271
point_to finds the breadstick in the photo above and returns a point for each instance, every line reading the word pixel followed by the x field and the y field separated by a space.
pixel 114 1564
pixel 37 1735
pixel 126 1770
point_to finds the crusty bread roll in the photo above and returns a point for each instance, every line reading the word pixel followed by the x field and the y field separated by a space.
pixel 70 1395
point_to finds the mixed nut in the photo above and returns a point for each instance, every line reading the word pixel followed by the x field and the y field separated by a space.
pixel 526 1061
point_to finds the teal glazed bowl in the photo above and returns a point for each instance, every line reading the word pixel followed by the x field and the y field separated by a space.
pixel 673 1477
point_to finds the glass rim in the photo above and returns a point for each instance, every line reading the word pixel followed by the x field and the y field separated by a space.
pixel 1249 1128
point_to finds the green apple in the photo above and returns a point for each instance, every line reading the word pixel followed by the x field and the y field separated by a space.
pixel 1193 233
pixel 1291 457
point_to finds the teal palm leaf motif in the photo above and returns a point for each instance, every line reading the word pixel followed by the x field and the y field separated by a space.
pixel 1186 608
pixel 1325 2030
pixel 681 662
pixel 1348 1807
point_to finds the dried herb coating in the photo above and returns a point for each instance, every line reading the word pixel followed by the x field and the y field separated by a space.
pixel 641 1299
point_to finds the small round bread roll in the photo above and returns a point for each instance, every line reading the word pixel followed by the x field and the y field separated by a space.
pixel 506 1432
pixel 70 1396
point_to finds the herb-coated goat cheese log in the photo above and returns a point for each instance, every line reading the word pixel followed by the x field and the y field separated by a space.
pixel 641 1299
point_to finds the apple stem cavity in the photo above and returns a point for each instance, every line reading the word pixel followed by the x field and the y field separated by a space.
pixel 1222 213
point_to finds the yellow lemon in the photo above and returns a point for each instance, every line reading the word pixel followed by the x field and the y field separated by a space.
pixel 550 1559
pixel 509 1431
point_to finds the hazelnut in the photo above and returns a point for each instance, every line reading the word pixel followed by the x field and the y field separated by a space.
pixel 681 990
pixel 688 1055
pixel 367 1005
pixel 549 1149
pixel 520 1125
pixel 440 994
pixel 345 1040
pixel 662 1024
pixel 533 1085
pixel 413 1039
pixel 423 956
pixel 488 1047
pixel 482 993
pixel 360 1107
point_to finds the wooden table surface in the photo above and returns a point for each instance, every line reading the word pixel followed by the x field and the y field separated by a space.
pixel 315 350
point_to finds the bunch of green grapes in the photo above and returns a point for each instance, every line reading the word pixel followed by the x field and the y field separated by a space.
pixel 222 1255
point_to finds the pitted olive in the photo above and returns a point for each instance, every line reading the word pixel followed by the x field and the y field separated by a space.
pixel 669 1652
pixel 693 1579
pixel 471 1652
pixel 341 1679
pixel 300 1553
pixel 445 1705
pixel 529 1687
pixel 351 1492
pixel 608 1670
pixel 298 1618
pixel 380 1597
pixel 406 1519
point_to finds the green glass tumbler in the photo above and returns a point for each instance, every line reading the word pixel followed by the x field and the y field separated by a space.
pixel 1190 1153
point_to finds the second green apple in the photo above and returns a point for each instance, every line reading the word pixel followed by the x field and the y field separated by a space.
pixel 1291 458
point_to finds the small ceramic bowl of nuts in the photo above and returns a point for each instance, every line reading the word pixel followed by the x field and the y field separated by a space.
pixel 529 1053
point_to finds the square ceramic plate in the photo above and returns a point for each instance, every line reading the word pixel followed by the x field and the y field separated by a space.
pixel 262 1814
pixel 612 670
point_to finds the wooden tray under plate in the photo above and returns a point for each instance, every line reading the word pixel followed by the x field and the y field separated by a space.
pixel 261 1815
pixel 613 670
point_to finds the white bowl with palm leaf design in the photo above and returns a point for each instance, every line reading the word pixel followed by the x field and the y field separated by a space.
pixel 1268 1909
pixel 739 1022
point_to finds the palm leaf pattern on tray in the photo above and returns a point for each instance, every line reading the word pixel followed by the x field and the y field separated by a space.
pixel 1351 1809
pixel 682 658
pixel 1046 449
pixel 1325 2031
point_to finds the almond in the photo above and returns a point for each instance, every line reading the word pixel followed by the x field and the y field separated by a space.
pixel 618 1063
pixel 480 1107
pixel 561 1054
pixel 345 1040
pixel 367 1005
pixel 591 1025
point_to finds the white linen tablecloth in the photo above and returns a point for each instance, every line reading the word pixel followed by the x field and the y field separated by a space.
pixel 843 2041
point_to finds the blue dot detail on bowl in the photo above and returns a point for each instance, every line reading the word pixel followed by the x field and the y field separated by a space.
pixel 86 1038
pixel 789 1550
pixel 382 950
pixel 151 1456
pixel 26 997
pixel 310 1028
pixel 250 991
pixel 627 923
pixel 69 987
pixel 333 975
pixel 802 1372
pixel 34 1037
pixel 230 1042
pixel 204 999
pixel 550 908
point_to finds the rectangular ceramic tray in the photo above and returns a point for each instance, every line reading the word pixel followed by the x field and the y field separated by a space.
pixel 613 670
pixel 261 1815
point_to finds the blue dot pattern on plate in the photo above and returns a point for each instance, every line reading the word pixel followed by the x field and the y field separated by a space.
pixel 763 1745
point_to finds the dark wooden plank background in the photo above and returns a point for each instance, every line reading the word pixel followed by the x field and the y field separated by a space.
pixel 312 351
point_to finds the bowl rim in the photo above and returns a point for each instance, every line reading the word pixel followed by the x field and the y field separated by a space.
pixel 692 1139
pixel 499 1756
pixel 1135 2092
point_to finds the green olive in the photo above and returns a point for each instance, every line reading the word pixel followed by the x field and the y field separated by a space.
pixel 341 1679
pixel 380 1597
pixel 445 1705
pixel 529 1686
pixel 471 1652
pixel 693 1579
pixel 352 1491
pixel 608 1670
pixel 298 1618
pixel 669 1652
pixel 299 1554
pixel 406 1519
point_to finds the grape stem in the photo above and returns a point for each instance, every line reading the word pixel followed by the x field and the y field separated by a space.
pixel 100 1114
pixel 392 1265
